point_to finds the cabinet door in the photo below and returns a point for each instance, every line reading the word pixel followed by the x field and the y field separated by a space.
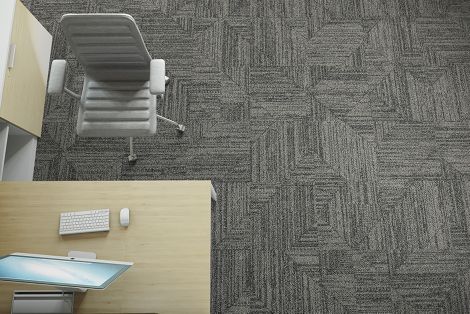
pixel 25 84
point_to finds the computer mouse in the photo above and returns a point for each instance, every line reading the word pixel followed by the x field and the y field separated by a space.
pixel 124 217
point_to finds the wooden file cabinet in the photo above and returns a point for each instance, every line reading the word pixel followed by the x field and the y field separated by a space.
pixel 25 48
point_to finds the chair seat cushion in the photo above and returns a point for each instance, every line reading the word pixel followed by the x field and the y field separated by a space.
pixel 116 108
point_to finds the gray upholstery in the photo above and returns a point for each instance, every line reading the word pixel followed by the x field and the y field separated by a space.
pixel 116 108
pixel 100 40
pixel 116 98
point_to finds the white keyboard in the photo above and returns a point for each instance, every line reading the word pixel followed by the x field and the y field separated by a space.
pixel 84 221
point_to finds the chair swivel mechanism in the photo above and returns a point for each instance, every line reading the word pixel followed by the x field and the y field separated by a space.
pixel 122 82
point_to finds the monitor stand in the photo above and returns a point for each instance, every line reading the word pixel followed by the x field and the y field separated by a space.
pixel 78 254
pixel 51 301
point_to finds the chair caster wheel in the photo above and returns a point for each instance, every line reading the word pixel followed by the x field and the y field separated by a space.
pixel 132 158
pixel 181 128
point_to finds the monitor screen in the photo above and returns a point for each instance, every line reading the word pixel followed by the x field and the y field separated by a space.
pixel 60 271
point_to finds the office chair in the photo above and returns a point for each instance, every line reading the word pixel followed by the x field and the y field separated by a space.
pixel 121 83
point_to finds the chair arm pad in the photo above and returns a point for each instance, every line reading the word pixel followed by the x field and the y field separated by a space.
pixel 157 76
pixel 57 77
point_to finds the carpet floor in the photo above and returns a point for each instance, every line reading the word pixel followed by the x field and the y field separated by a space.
pixel 337 134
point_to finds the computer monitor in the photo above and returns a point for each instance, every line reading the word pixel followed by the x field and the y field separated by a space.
pixel 67 272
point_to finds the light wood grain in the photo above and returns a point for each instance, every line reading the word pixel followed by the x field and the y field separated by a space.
pixel 24 89
pixel 7 13
pixel 168 239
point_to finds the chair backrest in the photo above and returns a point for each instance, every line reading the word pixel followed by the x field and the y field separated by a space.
pixel 110 41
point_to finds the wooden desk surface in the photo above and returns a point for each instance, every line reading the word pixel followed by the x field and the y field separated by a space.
pixel 168 240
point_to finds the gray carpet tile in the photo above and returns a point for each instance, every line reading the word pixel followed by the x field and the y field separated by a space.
pixel 337 134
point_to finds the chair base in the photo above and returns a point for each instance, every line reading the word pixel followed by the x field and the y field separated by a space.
pixel 132 157
pixel 179 127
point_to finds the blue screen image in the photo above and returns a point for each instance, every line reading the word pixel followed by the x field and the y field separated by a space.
pixel 58 272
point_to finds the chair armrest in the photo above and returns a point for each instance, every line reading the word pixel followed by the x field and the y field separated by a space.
pixel 57 77
pixel 157 76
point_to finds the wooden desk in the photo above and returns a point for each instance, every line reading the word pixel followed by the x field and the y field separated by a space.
pixel 168 239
